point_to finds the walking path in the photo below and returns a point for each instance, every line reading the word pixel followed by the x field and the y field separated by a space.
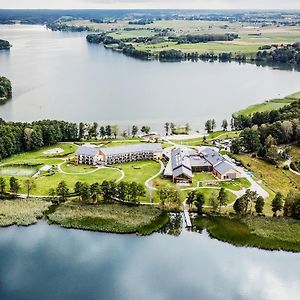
pixel 147 182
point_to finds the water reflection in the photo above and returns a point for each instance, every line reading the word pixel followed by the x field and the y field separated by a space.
pixel 48 262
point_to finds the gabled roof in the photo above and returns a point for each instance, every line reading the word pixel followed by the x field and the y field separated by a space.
pixel 223 167
pixel 198 161
pixel 212 156
pixel 182 170
pixel 152 147
pixel 87 150
pixel 181 163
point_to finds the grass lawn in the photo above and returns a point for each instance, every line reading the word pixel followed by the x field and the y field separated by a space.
pixel 80 168
pixel 139 171
pixel 21 211
pixel 266 233
pixel 44 183
pixel 110 218
pixel 276 179
pixel 269 105
pixel 236 184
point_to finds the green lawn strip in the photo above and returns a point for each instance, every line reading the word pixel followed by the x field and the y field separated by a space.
pixel 236 184
pixel 265 233
pixel 110 218
pixel 21 212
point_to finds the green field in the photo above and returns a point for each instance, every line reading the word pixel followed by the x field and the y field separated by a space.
pixel 110 218
pixel 139 171
pixel 276 179
pixel 268 105
pixel 266 233
pixel 251 36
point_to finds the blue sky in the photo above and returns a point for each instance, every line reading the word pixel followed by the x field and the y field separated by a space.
pixel 201 4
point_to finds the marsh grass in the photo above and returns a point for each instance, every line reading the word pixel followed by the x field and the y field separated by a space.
pixel 260 232
pixel 21 212
pixel 111 217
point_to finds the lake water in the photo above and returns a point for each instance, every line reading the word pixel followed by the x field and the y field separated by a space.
pixel 49 262
pixel 60 76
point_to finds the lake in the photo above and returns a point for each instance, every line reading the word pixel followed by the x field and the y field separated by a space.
pixel 58 75
pixel 49 262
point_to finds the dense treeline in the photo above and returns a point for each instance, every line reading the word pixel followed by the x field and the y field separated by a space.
pixel 126 49
pixel 20 137
pixel 203 38
pixel 280 54
pixel 5 89
pixel 263 132
pixel 58 26
pixel 4 45
pixel 288 112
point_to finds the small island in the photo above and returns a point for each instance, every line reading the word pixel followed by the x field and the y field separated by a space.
pixel 5 89
pixel 4 45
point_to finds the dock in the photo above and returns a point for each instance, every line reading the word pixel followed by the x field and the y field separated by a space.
pixel 187 218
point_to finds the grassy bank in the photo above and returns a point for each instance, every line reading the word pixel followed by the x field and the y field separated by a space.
pixel 21 212
pixel 114 218
pixel 268 105
pixel 259 232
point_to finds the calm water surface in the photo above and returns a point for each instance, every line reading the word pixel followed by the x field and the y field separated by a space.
pixel 58 75
pixel 48 262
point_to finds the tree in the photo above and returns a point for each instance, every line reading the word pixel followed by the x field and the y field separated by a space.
pixel 85 191
pixel 77 188
pixel 29 185
pixel 102 132
pixel 163 194
pixel 199 202
pixel 277 203
pixel 222 198
pixel 167 125
pixel 259 205
pixel 122 190
pixel 250 139
pixel 2 185
pixel 235 147
pixel 224 124
pixel 173 128
pixel 191 198
pixel 208 126
pixel 240 205
pixel 213 124
pixel 115 130
pixel 62 191
pixel 108 131
pixel 81 131
pixel 145 129
pixel 95 191
pixel 14 185
pixel 134 130
pixel 213 200
pixel 108 190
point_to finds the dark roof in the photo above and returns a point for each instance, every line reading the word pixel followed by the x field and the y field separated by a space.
pixel 212 156
pixel 152 147
pixel 198 161
pixel 87 150
pixel 223 167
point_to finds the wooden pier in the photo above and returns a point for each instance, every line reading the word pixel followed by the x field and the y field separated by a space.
pixel 187 218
